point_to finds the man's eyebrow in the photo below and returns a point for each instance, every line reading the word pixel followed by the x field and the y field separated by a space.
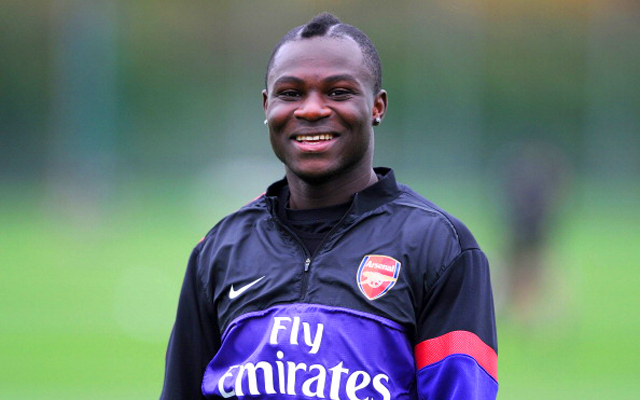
pixel 329 79
pixel 288 79
pixel 341 77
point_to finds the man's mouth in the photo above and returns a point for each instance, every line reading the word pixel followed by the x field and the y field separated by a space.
pixel 315 138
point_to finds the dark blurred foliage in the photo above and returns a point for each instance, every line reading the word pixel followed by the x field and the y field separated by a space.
pixel 163 88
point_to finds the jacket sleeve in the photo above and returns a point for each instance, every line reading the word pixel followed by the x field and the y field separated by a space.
pixel 194 340
pixel 456 354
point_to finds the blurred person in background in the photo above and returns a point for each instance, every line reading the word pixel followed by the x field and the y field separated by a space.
pixel 338 282
pixel 536 173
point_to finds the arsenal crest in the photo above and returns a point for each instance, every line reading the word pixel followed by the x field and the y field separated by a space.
pixel 377 275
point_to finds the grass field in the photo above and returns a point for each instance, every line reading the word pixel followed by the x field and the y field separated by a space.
pixel 88 298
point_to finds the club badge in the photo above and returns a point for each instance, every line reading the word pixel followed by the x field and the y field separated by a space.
pixel 377 275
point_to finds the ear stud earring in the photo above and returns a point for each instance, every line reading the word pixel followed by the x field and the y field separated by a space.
pixel 376 121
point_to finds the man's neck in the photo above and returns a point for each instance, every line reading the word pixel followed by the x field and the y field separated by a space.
pixel 305 195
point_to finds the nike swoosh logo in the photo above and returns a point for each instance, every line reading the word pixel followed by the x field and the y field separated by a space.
pixel 235 293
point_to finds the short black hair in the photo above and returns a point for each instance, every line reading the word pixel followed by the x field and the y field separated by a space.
pixel 328 25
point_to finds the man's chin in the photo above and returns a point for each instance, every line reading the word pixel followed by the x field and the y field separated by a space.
pixel 315 179
pixel 312 176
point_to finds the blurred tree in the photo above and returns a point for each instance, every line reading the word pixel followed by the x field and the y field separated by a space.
pixel 612 131
pixel 84 106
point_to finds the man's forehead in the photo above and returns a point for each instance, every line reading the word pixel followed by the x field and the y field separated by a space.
pixel 326 51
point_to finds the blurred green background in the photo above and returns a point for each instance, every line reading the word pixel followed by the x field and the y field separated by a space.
pixel 128 128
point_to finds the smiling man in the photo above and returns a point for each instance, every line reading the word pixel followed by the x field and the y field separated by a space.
pixel 321 103
pixel 339 282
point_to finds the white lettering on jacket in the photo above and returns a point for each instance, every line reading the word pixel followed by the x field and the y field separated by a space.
pixel 285 377
pixel 285 323
pixel 373 265
pixel 314 386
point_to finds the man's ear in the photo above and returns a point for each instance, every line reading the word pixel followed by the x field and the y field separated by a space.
pixel 380 104
pixel 265 96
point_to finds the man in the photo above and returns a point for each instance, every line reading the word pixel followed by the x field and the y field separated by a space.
pixel 339 282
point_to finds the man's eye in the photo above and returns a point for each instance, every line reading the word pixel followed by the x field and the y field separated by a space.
pixel 289 94
pixel 340 93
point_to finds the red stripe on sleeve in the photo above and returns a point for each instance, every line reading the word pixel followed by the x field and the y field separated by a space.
pixel 457 342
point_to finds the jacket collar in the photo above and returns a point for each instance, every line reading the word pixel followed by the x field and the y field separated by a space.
pixel 374 196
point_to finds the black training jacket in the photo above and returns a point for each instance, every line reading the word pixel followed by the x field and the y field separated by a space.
pixel 396 303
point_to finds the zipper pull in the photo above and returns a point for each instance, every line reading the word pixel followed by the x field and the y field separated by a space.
pixel 307 262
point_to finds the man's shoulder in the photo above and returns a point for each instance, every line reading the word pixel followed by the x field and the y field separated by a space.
pixel 243 219
pixel 435 216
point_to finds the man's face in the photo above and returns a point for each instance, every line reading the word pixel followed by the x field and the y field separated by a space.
pixel 320 106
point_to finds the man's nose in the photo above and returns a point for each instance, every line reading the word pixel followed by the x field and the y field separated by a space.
pixel 312 108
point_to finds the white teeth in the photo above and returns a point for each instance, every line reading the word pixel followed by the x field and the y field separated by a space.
pixel 314 138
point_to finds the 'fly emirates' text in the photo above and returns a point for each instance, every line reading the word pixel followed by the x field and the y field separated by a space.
pixel 280 376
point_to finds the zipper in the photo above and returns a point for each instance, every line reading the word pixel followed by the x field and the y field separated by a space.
pixel 307 262
pixel 305 278
pixel 309 258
